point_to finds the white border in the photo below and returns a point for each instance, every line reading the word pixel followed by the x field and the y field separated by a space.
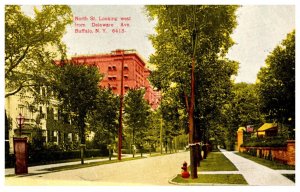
pixel 134 2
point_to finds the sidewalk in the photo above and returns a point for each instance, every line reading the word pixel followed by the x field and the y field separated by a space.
pixel 256 174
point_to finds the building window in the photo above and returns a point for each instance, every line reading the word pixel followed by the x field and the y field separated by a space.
pixel 114 68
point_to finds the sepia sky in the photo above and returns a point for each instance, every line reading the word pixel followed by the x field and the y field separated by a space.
pixel 260 28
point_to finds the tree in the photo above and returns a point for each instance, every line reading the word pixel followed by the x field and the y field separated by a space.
pixel 77 90
pixel 188 40
pixel 103 119
pixel 32 43
pixel 276 83
pixel 137 112
pixel 152 134
pixel 242 110
pixel 173 113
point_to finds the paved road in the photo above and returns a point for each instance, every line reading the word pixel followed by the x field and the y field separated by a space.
pixel 149 171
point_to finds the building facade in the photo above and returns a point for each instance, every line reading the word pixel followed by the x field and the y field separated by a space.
pixel 39 116
pixel 135 73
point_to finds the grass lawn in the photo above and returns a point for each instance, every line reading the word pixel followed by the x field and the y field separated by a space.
pixel 79 166
pixel 267 163
pixel 213 178
pixel 216 161
pixel 290 177
pixel 65 161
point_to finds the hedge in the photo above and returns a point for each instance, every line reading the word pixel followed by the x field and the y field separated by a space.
pixel 266 142
pixel 52 156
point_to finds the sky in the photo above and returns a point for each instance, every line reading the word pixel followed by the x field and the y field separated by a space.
pixel 260 29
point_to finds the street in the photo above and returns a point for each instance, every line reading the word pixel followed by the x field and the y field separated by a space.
pixel 148 171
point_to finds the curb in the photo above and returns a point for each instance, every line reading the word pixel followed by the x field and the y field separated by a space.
pixel 201 184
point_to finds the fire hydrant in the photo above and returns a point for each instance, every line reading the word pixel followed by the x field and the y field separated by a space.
pixel 185 173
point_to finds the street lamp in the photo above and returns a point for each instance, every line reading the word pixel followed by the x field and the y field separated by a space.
pixel 21 150
pixel 20 121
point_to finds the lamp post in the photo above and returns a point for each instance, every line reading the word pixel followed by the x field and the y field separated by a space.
pixel 21 150
pixel 20 121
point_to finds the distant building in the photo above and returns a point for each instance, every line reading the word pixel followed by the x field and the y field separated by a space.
pixel 134 71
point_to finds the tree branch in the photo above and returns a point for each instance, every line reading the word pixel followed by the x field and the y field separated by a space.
pixel 21 86
pixel 19 60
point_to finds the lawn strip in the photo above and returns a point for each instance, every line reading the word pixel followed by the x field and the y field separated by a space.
pixel 213 179
pixel 216 161
pixel 79 166
pixel 290 177
pixel 271 164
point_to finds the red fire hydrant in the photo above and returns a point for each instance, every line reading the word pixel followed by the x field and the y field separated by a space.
pixel 185 173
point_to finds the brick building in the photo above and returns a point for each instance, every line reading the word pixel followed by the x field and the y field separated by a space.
pixel 135 73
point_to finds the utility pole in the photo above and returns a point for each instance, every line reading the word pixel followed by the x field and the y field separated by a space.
pixel 122 51
pixel 161 140
pixel 121 109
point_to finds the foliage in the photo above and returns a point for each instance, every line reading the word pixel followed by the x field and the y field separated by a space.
pixel 276 83
pixel 32 43
pixel 103 119
pixel 173 114
pixel 136 116
pixel 265 142
pixel 37 139
pixel 44 156
pixel 77 90
pixel 242 110
pixel 152 134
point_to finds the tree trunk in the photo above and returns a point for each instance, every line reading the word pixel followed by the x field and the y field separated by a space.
pixel 81 125
pixel 199 157
pixel 193 153
pixel 205 151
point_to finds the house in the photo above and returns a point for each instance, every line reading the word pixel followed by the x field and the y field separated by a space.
pixel 267 129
